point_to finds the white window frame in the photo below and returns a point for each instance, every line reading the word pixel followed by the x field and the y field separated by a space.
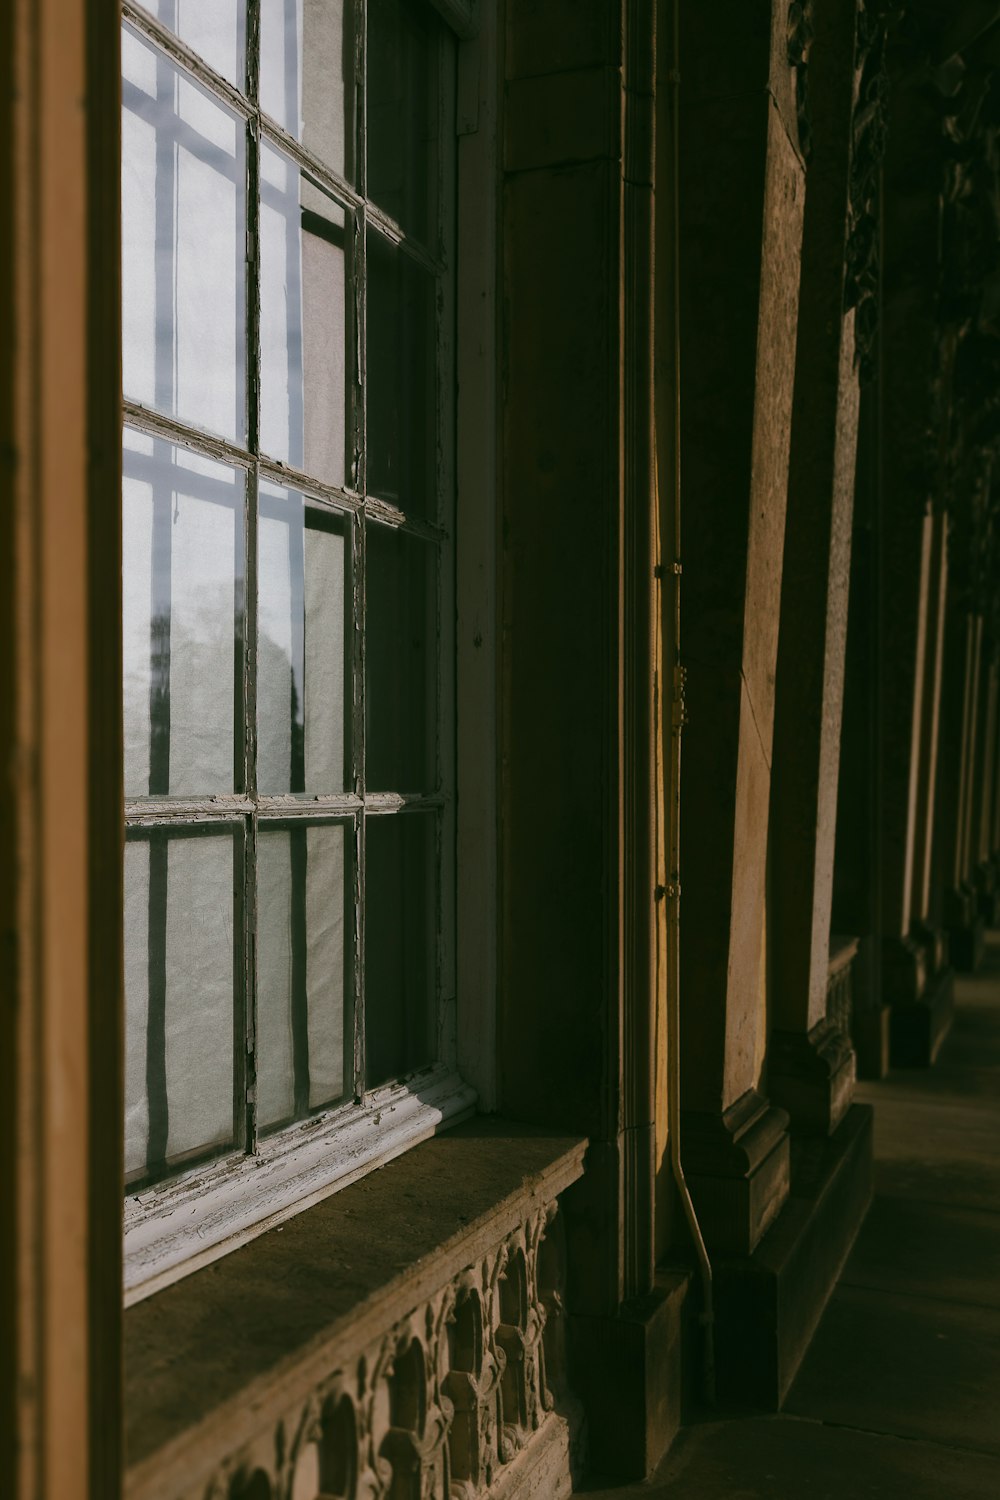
pixel 188 1220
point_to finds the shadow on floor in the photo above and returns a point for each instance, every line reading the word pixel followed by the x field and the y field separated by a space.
pixel 899 1395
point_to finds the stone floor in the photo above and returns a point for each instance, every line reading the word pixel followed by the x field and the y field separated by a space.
pixel 899 1395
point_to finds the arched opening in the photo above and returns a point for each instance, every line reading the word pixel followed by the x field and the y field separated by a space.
pixel 339 1450
pixel 408 1390
pixel 257 1487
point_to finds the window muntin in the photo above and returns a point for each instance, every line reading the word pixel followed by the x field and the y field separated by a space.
pixel 184 236
pixel 283 625
pixel 183 559
pixel 214 29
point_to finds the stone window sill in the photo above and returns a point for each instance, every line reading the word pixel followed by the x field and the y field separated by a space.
pixel 248 1352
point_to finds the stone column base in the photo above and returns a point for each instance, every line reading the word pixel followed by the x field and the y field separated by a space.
pixel 934 942
pixel 768 1305
pixel 870 1033
pixel 904 970
pixel 987 893
pixel 966 929
pixel 812 1076
pixel 918 1029
pixel 959 906
pixel 737 1167
pixel 967 945
pixel 629 1373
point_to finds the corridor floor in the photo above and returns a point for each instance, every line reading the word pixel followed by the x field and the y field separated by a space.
pixel 899 1395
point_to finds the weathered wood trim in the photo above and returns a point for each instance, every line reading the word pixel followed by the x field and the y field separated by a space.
pixel 149 811
pixel 173 1230
pixel 106 748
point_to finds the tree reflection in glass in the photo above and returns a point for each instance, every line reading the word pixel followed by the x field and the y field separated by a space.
pixel 300 644
pixel 182 576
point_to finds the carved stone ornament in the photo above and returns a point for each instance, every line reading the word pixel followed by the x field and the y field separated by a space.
pixel 437 1408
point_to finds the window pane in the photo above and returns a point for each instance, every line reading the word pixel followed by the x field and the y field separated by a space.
pixel 182 583
pixel 402 104
pixel 303 322
pixel 184 245
pixel 304 1038
pixel 307 75
pixel 402 380
pixel 400 662
pixel 179 1012
pixel 215 29
pixel 400 944
pixel 301 640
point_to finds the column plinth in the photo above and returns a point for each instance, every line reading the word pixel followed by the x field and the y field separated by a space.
pixel 737 1167
pixel 811 1075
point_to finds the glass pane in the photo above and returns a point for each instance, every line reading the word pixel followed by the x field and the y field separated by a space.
pixel 182 583
pixel 215 29
pixel 400 944
pixel 303 322
pixel 307 75
pixel 304 1037
pixel 400 662
pixel 402 103
pixel 180 1041
pixel 183 245
pixel 301 644
pixel 402 380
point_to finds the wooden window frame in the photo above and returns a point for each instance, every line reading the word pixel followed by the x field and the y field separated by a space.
pixel 234 1198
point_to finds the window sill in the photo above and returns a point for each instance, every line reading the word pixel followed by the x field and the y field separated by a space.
pixel 233 1367
pixel 180 1226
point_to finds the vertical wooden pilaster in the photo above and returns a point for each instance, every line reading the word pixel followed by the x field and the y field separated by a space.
pixel 60 741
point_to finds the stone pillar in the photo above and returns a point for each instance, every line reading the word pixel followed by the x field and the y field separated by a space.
pixel 967 859
pixel 857 891
pixel 995 819
pixel 914 371
pixel 982 868
pixel 918 984
pixel 961 914
pixel 920 896
pixel 742 192
pixel 811 1063
pixel 907 575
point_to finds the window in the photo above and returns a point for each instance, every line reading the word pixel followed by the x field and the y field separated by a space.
pixel 288 591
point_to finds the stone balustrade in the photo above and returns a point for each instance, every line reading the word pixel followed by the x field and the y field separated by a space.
pixel 458 1392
